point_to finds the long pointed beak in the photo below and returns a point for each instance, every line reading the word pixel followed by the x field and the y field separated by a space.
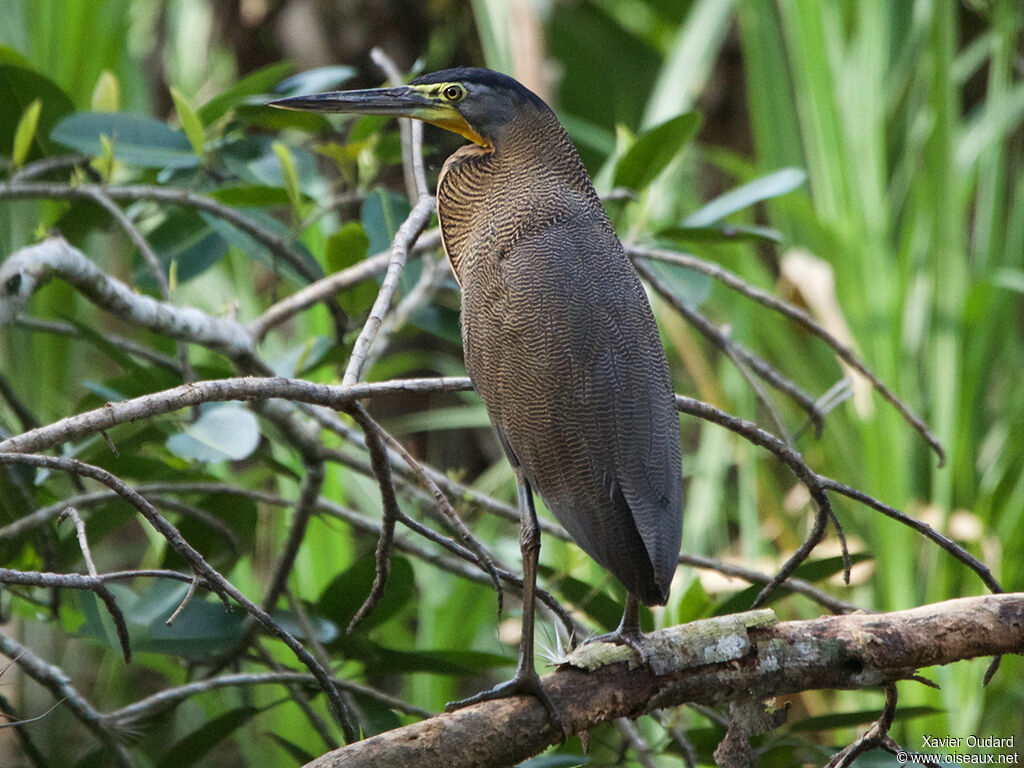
pixel 403 101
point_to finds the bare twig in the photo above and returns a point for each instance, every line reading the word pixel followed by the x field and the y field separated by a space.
pixel 217 390
pixel 798 315
pixel 55 680
pixel 76 581
pixel 451 516
pixel 33 265
pixel 406 235
pixel 304 507
pixel 411 131
pixel 736 351
pixel 174 538
pixel 160 702
pixel 83 541
pixel 331 285
pixel 127 345
pixel 279 246
pixel 185 600
pixel 390 514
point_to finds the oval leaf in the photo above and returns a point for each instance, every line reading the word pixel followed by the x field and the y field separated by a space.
pixel 189 122
pixel 19 87
pixel 106 96
pixel 315 80
pixel 654 150
pixel 744 196
pixel 137 139
pixel 25 132
pixel 227 433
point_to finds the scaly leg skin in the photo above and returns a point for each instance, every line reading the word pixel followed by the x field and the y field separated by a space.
pixel 628 632
pixel 526 680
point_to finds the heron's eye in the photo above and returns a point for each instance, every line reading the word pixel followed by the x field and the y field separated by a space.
pixel 453 92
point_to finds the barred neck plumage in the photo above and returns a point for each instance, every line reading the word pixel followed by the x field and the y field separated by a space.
pixel 530 177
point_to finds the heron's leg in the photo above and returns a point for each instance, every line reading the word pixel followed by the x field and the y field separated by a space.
pixel 526 679
pixel 628 631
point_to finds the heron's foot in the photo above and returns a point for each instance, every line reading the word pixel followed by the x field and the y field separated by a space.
pixel 525 684
pixel 632 638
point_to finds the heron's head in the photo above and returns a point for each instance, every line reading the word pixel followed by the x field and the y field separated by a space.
pixel 475 103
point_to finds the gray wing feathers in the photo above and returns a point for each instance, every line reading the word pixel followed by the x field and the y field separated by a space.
pixel 575 378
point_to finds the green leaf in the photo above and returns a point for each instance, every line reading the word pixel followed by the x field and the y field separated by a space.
pixel 138 139
pixel 192 748
pixel 654 150
pixel 315 80
pixel 106 96
pixel 251 196
pixel 189 122
pixel 764 188
pixel 19 87
pixel 185 242
pixel 383 213
pixel 259 252
pixel 726 233
pixel 228 432
pixel 291 178
pixel 260 81
pixel 297 753
pixel 345 248
pixel 852 719
pixel 25 132
pixel 688 285
pixel 555 761
pixel 340 599
pixel 815 570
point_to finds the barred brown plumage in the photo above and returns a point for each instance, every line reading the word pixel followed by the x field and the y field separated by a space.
pixel 560 340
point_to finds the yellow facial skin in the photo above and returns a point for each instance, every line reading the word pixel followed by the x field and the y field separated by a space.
pixel 434 104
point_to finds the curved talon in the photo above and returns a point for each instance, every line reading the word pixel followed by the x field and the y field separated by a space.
pixel 526 684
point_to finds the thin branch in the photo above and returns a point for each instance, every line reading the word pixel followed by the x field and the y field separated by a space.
pixel 55 680
pixel 800 316
pixel 33 265
pixel 319 653
pixel 92 583
pixel 217 390
pixel 443 505
pixel 49 164
pixel 132 348
pixel 406 235
pixel 391 512
pixel 430 280
pixel 795 462
pixel 25 417
pixel 304 507
pixel 83 541
pixel 174 538
pixel 331 285
pixel 168 698
pixel 735 350
pixel 281 247
pixel 411 131
pixel 923 528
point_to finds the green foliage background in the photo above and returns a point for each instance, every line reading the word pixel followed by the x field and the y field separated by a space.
pixel 905 116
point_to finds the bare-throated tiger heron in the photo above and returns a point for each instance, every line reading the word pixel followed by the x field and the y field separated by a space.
pixel 560 341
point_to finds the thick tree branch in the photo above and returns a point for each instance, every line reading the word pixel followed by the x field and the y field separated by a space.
pixel 733 658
